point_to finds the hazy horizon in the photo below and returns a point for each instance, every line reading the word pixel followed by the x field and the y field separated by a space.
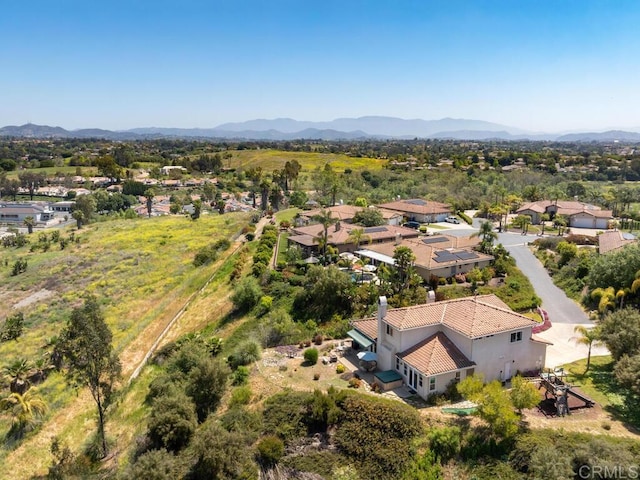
pixel 537 66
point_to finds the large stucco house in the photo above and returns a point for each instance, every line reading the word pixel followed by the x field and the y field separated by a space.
pixel 579 215
pixel 439 255
pixel 17 212
pixel 419 210
pixel 428 346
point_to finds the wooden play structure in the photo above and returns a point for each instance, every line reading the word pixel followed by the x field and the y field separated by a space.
pixel 558 389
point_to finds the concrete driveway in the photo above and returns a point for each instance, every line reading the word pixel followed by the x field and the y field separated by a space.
pixel 564 313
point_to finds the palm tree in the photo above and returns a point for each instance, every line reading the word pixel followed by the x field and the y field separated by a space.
pixel 357 236
pixel 25 408
pixel 543 219
pixel 29 222
pixel 588 337
pixel 149 194
pixel 488 236
pixel 17 372
pixel 326 220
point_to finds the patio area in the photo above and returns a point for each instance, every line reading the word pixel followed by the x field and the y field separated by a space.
pixel 352 363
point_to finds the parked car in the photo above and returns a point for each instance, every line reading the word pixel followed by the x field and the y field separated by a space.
pixel 411 224
pixel 452 220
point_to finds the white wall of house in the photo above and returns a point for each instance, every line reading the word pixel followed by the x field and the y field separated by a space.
pixel 584 220
pixel 451 270
pixel 499 358
pixel 406 339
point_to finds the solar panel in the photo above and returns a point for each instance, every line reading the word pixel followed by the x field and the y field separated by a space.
pixel 466 255
pixel 435 239
pixel 416 201
pixel 375 229
pixel 445 257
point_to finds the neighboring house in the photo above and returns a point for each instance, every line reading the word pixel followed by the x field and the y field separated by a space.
pixel 579 215
pixel 431 345
pixel 17 212
pixel 439 255
pixel 613 240
pixel 346 213
pixel 338 235
pixel 169 168
pixel 62 207
pixel 419 210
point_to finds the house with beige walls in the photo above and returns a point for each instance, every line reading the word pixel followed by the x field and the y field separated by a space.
pixel 431 345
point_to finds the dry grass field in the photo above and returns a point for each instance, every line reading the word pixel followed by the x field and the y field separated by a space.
pixel 142 272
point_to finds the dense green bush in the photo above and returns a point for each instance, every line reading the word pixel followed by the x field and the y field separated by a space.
pixel 206 384
pixel 210 253
pixel 240 396
pixel 387 424
pixel 156 465
pixel 245 353
pixel 172 422
pixel 286 414
pixel 445 442
pixel 270 450
pixel 246 294
pixel 311 356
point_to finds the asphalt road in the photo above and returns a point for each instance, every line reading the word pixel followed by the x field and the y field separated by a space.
pixel 563 312
pixel 560 308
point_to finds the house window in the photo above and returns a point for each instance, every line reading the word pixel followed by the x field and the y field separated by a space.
pixel 397 364
pixel 405 369
pixel 470 371
pixel 516 337
pixel 432 384
pixel 389 330
pixel 420 380
pixel 457 376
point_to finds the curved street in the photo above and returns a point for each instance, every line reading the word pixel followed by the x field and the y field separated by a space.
pixel 564 313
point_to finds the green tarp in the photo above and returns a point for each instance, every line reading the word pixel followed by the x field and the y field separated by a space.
pixel 363 341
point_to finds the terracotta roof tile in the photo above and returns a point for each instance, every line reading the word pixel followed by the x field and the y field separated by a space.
pixel 613 240
pixel 367 326
pixel 472 317
pixel 417 205
pixel 435 355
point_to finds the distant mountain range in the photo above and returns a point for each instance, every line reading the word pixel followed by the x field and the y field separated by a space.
pixel 372 127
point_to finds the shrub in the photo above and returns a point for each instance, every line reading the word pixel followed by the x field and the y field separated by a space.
pixel 340 368
pixel 241 375
pixel 318 339
pixel 13 327
pixel 240 396
pixel 270 450
pixel 445 442
pixel 316 376
pixel 311 356
pixel 172 422
pixel 246 353
pixel 355 383
pixel 387 424
pixel 156 464
pixel 246 294
pixel 206 385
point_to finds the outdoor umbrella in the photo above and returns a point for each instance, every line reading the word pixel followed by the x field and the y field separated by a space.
pixel 367 356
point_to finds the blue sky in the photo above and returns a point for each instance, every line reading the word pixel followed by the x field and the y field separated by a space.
pixel 538 65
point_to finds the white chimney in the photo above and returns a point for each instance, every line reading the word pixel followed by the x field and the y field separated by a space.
pixel 382 312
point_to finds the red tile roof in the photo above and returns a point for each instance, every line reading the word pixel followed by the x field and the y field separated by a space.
pixel 435 355
pixel 417 205
pixel 472 317
pixel 367 326
pixel 613 240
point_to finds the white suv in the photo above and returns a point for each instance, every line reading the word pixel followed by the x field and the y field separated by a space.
pixel 452 220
